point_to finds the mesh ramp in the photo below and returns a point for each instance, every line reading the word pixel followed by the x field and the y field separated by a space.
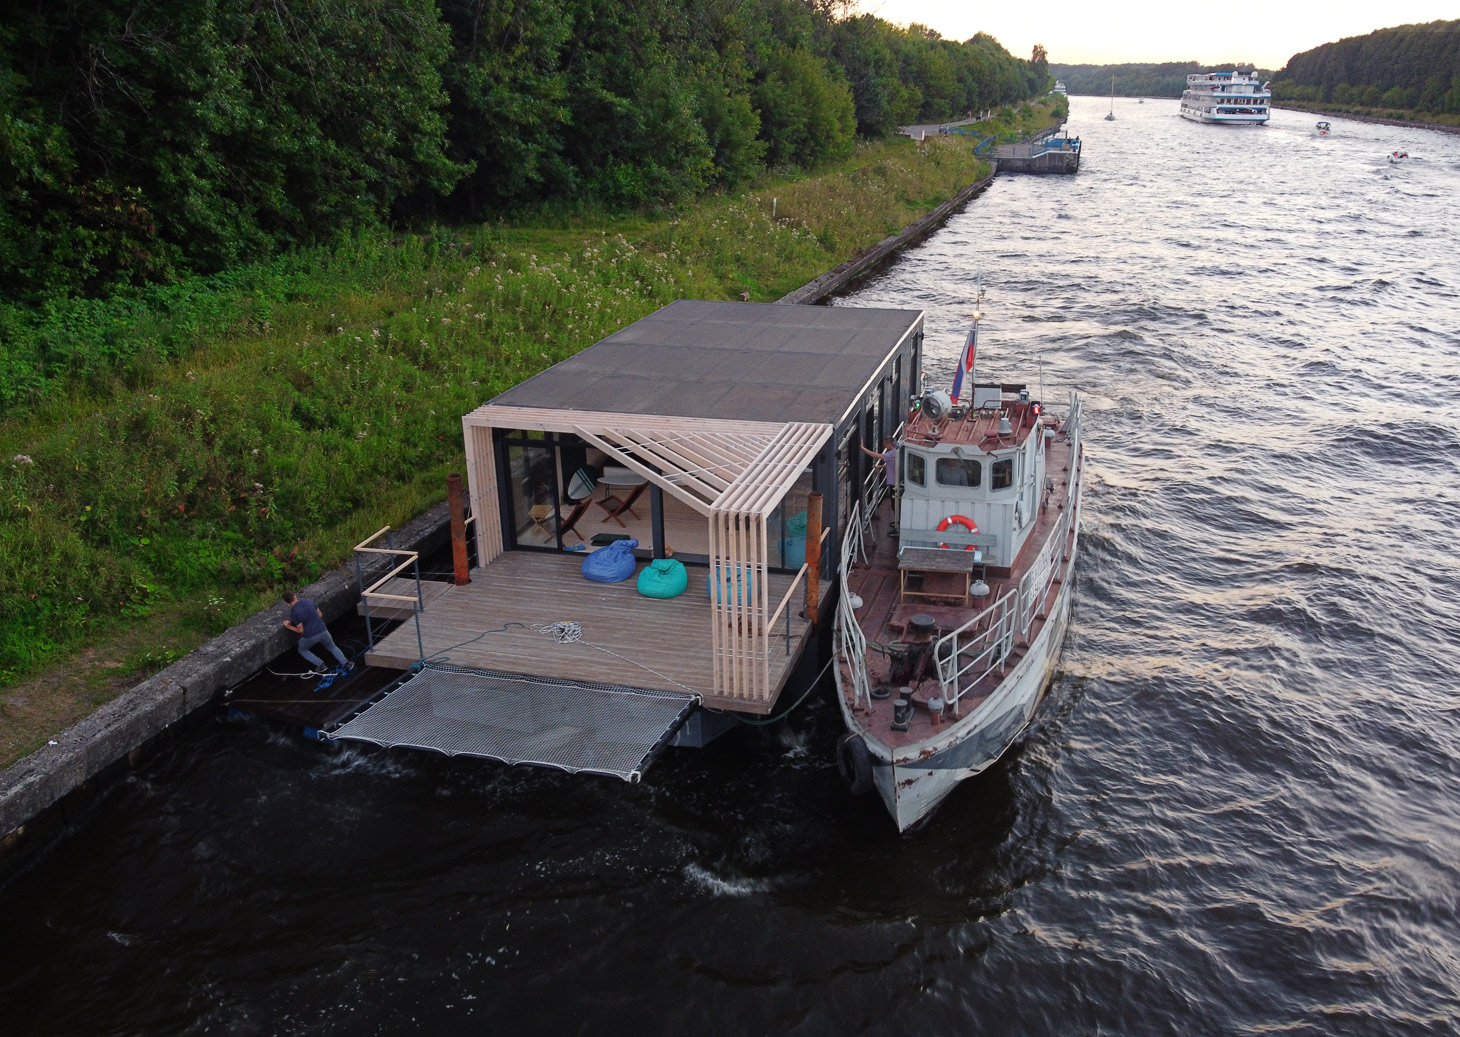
pixel 573 726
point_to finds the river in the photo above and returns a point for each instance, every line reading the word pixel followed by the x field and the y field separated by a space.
pixel 1237 813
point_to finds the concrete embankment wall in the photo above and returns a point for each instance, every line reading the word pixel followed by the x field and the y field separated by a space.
pixel 848 273
pixel 79 763
pixel 109 739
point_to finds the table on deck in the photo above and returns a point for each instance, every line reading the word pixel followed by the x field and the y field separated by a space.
pixel 939 574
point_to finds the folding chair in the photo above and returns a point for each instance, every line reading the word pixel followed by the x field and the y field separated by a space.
pixel 579 509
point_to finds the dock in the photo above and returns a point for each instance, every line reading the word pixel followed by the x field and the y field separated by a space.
pixel 1053 154
pixel 533 612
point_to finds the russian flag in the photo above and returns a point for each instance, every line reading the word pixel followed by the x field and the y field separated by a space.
pixel 966 363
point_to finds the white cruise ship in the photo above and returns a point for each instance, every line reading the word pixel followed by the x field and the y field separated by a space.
pixel 1226 97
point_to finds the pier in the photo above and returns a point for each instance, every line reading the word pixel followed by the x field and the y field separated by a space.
pixel 1051 154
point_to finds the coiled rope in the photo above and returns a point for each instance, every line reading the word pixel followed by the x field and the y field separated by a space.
pixel 567 632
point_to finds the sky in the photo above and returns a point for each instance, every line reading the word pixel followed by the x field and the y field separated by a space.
pixel 1078 32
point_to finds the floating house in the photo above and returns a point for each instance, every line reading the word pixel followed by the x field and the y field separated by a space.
pixel 725 437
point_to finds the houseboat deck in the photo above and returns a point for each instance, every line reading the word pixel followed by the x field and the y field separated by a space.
pixel 503 621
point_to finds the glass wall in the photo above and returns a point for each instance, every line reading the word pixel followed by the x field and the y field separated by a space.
pixel 531 490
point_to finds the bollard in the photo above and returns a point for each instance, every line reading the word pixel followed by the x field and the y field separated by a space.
pixel 458 528
pixel 813 556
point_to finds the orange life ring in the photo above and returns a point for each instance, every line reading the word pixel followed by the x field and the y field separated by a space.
pixel 962 520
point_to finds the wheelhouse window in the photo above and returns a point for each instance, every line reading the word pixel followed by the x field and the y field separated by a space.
pixel 916 469
pixel 1001 474
pixel 953 471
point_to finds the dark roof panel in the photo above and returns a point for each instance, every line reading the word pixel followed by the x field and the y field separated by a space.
pixel 732 360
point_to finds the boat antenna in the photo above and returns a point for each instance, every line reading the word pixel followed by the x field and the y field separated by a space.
pixel 970 347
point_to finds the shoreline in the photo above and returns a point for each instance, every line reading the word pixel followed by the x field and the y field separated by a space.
pixel 75 768
pixel 1377 120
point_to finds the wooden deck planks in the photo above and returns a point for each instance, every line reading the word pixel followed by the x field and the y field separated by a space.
pixel 658 644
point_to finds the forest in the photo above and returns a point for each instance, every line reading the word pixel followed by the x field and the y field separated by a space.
pixel 1409 67
pixel 1167 79
pixel 146 140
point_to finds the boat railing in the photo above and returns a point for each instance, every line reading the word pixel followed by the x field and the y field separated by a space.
pixel 967 655
pixel 1037 585
pixel 852 646
pixel 970 653
pixel 874 490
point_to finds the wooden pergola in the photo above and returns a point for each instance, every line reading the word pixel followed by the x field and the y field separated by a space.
pixel 734 473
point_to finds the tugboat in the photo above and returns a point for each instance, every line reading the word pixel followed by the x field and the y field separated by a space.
pixel 956 589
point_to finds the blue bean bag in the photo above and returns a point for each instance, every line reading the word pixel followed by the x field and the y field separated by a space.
pixel 611 564
pixel 714 582
pixel 663 578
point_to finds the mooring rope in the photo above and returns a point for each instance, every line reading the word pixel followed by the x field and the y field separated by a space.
pixel 567 632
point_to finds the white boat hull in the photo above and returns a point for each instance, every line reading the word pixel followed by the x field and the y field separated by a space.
pixel 914 780
pixel 1223 120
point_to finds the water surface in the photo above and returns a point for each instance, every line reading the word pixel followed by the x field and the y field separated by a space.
pixel 1238 813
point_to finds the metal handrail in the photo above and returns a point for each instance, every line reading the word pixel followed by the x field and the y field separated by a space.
pixel 412 559
pixel 796 581
pixel 1016 611
pixel 854 642
pixel 986 649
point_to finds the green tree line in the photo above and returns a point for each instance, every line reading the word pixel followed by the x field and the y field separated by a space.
pixel 1165 79
pixel 1414 67
pixel 144 140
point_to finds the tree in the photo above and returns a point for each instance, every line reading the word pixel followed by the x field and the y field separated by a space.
pixel 807 112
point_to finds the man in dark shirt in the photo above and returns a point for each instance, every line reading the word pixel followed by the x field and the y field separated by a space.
pixel 306 620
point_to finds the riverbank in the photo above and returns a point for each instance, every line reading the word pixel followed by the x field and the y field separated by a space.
pixel 1363 115
pixel 70 760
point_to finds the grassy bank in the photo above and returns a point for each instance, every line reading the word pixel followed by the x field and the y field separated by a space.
pixel 1384 116
pixel 169 462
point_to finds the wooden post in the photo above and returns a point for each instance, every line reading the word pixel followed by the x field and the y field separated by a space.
pixel 457 503
pixel 813 556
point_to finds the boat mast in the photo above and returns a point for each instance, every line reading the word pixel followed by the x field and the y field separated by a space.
pixel 969 358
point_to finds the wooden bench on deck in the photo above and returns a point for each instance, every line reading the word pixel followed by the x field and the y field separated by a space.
pixel 936 572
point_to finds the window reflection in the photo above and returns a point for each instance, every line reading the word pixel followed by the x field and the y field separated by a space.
pixel 916 469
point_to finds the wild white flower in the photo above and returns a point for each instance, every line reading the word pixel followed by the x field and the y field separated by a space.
pixel 23 459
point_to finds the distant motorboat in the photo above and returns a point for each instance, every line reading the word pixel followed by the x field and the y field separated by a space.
pixel 1397 156
pixel 1323 129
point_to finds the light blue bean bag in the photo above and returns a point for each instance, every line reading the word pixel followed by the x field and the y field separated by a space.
pixel 663 578
pixel 611 564
pixel 714 582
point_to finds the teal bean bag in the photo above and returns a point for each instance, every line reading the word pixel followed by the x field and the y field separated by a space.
pixel 793 548
pixel 663 578
pixel 611 564
pixel 714 582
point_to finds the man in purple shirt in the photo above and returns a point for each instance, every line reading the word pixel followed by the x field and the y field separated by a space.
pixel 306 620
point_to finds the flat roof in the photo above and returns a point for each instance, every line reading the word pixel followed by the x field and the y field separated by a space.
pixel 733 360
